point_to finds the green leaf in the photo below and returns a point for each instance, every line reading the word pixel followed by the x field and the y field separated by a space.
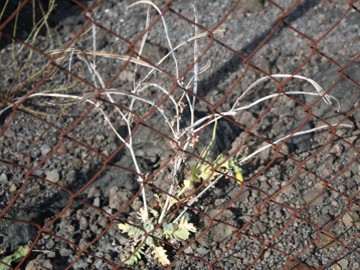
pixel 181 234
pixel 184 224
pixel 142 215
pixel 154 212
pixel 148 226
pixel 149 241
pixel 134 259
pixel 17 256
pixel 129 229
pixel 168 229
pixel 195 172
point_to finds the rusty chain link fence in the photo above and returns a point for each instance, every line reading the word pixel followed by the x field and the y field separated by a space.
pixel 179 134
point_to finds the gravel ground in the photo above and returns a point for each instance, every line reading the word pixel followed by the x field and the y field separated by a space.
pixel 299 207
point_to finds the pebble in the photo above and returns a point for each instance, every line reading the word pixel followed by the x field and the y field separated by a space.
pixel 278 213
pixel 250 7
pixel 115 198
pixel 62 150
pixel 39 264
pixel 343 263
pixel 53 176
pixel 347 219
pixel 45 149
pixel 3 178
pixel 64 252
pixel 323 220
pixel 94 192
pixel 258 228
pixel 312 194
pixel 9 133
pixel 96 202
pixel 98 264
pixel 275 231
pixel 51 254
pixel 219 202
pixel 94 228
pixel 34 153
pixel 83 223
pixel 83 242
pixel 118 198
pixel 137 204
pixel 325 242
pixel 337 150
pixel 103 222
pixel 12 188
pixel 267 254
pixel 71 175
pixel 50 244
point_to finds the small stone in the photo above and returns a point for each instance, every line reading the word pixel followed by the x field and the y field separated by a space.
pixel 343 263
pixel 247 118
pixel 53 176
pixel 117 198
pixel 70 228
pixel 204 241
pixel 189 250
pixel 45 149
pixel 278 214
pixel 9 133
pixel 98 264
pixel 50 244
pixel 71 176
pixel 3 178
pixel 100 137
pixel 62 150
pixel 126 75
pixel 335 267
pixel 83 223
pixel 96 202
pixel 250 6
pixel 103 222
pixel 314 193
pixel 258 228
pixel 94 192
pixel 83 242
pixel 64 252
pixel 296 265
pixel 263 63
pixel 347 219
pixel 324 241
pixel 27 159
pixel 12 188
pixel 323 220
pixel 51 254
pixel 137 204
pixel 94 228
pixel 274 231
pixel 219 202
pixel 39 264
pixel 337 150
pixel 267 254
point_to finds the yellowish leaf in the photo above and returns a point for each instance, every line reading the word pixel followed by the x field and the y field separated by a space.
pixel 160 254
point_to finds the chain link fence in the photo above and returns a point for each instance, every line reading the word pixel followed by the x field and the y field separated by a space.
pixel 179 134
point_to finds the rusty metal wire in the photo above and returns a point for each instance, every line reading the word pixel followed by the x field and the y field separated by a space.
pixel 297 209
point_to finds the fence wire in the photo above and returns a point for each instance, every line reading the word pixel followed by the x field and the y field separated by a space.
pixel 128 138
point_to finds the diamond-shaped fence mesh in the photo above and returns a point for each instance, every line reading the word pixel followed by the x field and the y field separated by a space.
pixel 179 134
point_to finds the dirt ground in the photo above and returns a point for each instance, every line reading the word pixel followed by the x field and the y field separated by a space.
pixel 69 180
